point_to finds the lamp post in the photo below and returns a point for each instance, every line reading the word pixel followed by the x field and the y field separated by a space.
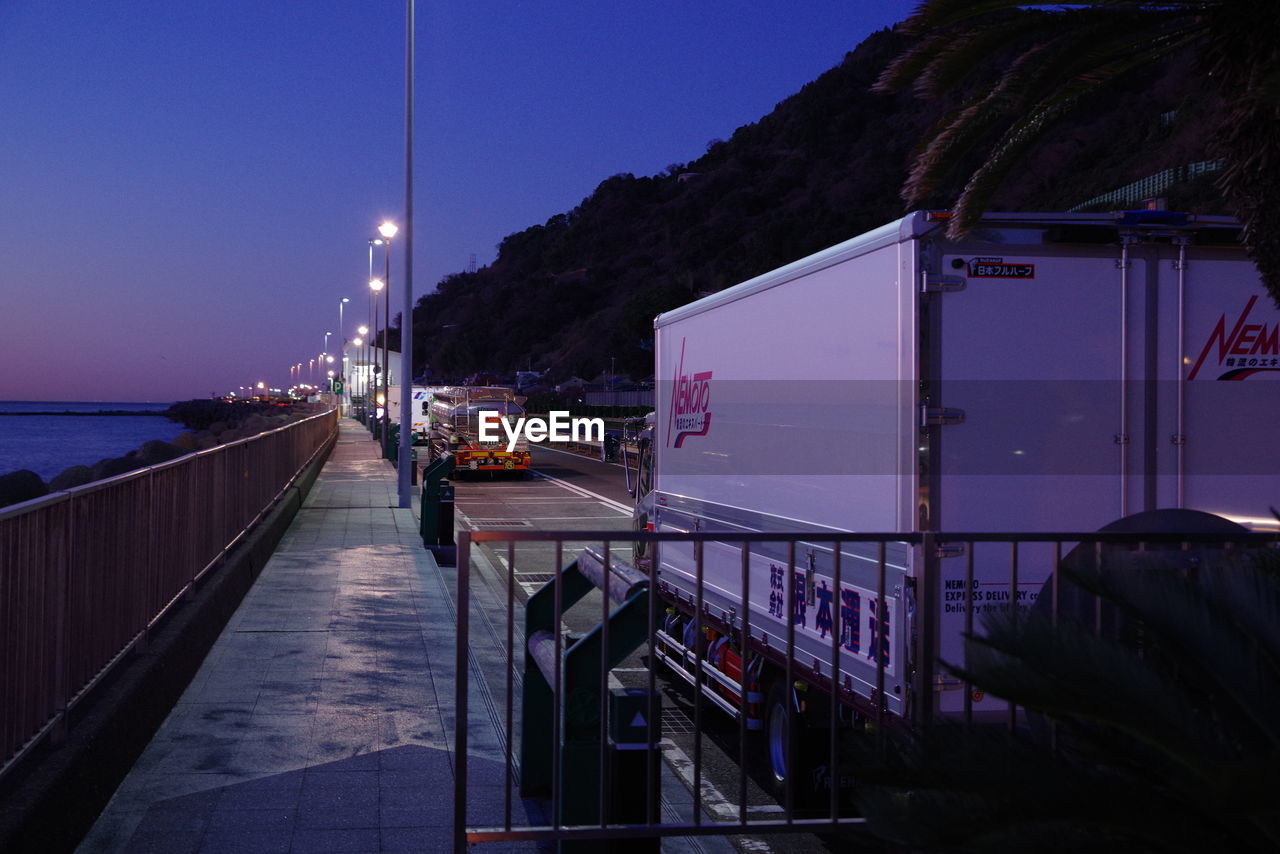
pixel 342 371
pixel 406 324
pixel 376 286
pixel 363 344
pixel 373 321
pixel 388 230
pixel 326 343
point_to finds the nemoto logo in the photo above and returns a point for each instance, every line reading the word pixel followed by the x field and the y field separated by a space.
pixel 690 404
pixel 1247 349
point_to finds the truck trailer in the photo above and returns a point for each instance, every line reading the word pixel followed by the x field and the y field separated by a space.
pixel 1047 372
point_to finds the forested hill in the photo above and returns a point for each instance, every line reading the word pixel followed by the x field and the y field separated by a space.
pixel 824 166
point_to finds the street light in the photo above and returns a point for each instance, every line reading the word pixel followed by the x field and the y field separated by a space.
pixel 376 286
pixel 370 356
pixel 326 341
pixel 364 330
pixel 343 372
pixel 388 230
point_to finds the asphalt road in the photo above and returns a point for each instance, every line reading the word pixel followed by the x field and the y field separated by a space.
pixel 573 492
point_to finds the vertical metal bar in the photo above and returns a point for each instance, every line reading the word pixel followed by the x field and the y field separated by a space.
pixel 652 800
pixel 460 694
pixel 1054 604
pixel 1097 601
pixel 605 781
pixel 557 737
pixel 1013 614
pixel 698 646
pixel 834 724
pixel 1180 439
pixel 788 692
pixel 881 637
pixel 510 680
pixel 744 647
pixel 1123 437
pixel 968 624
pixel 404 455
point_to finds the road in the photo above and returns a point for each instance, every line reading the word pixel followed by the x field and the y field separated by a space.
pixel 572 492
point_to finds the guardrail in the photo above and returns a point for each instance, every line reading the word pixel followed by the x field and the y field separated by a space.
pixel 871 561
pixel 86 572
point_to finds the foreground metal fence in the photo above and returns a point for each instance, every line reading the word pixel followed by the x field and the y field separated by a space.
pixel 948 569
pixel 85 573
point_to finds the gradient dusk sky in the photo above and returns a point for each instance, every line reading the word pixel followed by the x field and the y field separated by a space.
pixel 187 188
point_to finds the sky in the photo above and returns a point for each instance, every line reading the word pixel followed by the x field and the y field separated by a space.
pixel 187 190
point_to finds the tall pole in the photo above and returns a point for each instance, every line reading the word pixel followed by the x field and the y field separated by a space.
pixel 370 349
pixel 342 367
pixel 406 321
pixel 386 341
pixel 376 355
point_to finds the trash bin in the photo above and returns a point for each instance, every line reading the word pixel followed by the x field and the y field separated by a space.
pixel 436 510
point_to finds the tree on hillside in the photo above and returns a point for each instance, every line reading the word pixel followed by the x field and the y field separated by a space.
pixel 1051 59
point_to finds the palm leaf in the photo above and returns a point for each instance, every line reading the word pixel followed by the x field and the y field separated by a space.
pixel 1184 619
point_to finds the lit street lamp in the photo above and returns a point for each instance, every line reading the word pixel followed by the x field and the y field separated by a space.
pixel 376 286
pixel 388 230
pixel 364 330
pixel 372 355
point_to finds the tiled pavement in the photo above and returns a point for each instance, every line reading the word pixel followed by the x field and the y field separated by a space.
pixel 321 720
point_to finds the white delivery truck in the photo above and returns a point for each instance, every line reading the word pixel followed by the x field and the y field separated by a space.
pixel 1049 372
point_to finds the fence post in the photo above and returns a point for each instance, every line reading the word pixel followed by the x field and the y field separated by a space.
pixel 461 650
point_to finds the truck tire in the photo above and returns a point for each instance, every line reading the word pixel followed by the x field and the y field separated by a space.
pixel 806 761
pixel 779 723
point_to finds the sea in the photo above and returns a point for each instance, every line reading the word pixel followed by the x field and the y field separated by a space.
pixel 48 444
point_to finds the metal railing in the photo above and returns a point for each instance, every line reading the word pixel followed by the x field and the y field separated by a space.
pixel 86 572
pixel 940 562
pixel 1152 185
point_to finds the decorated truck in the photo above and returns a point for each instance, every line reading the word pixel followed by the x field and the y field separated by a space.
pixel 454 416
pixel 1048 372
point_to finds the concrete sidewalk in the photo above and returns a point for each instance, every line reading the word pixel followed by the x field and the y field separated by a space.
pixel 322 719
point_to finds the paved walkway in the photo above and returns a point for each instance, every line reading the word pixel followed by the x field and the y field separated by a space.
pixel 322 719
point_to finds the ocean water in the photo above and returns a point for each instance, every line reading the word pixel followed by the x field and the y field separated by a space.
pixel 47 444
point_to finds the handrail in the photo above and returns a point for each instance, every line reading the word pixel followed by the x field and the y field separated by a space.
pixel 86 572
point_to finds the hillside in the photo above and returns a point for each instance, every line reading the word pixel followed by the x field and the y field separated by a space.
pixel 825 165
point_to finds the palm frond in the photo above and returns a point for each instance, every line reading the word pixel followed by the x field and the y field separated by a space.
pixel 1020 138
pixel 1069 672
pixel 902 72
pixel 1184 619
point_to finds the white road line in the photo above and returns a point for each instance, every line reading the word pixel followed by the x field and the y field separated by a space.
pixel 585 492
pixel 570 518
pixel 721 808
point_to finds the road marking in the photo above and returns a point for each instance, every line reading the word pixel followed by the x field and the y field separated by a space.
pixel 721 808
pixel 617 505
pixel 568 518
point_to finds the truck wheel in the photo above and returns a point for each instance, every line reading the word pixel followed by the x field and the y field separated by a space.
pixel 805 761
pixel 779 722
